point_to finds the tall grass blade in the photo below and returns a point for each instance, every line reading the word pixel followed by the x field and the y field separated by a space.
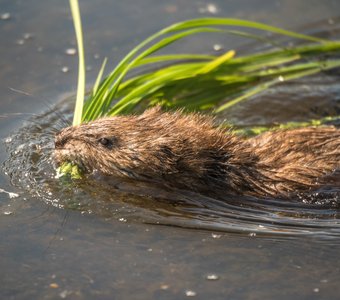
pixel 78 111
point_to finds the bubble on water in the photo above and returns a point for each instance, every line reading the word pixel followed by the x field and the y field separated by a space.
pixel 20 42
pixel 164 287
pixel 209 8
pixel 28 36
pixel 190 293
pixel 71 51
pixel 217 47
pixel 212 277
pixel 65 69
pixel 216 236
pixel 5 16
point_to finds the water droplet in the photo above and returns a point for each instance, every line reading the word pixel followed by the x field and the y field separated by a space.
pixel 71 51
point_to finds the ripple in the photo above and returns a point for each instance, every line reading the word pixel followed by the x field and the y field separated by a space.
pixel 30 167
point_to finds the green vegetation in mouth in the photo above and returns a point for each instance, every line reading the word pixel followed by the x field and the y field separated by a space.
pixel 69 169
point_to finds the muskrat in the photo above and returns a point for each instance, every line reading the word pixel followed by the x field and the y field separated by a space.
pixel 188 151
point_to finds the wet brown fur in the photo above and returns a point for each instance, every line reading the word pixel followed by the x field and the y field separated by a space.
pixel 188 151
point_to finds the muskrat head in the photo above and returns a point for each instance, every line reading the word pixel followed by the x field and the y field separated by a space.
pixel 153 145
pixel 186 150
pixel 91 146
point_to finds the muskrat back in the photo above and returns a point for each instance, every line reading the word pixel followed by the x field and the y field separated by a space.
pixel 190 152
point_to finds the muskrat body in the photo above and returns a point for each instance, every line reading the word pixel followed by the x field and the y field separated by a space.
pixel 188 151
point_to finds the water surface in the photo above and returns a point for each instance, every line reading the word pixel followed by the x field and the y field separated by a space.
pixel 82 240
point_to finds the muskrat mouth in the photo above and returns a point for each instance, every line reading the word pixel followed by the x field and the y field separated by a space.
pixel 64 161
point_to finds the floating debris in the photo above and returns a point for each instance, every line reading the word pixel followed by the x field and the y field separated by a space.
pixel 10 194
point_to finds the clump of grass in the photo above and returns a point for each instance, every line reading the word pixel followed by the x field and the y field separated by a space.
pixel 200 82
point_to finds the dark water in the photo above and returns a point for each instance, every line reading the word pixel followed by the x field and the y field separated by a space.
pixel 84 240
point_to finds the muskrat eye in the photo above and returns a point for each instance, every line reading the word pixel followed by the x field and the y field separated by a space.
pixel 59 143
pixel 105 142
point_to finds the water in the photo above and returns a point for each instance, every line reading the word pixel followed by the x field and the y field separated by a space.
pixel 85 240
